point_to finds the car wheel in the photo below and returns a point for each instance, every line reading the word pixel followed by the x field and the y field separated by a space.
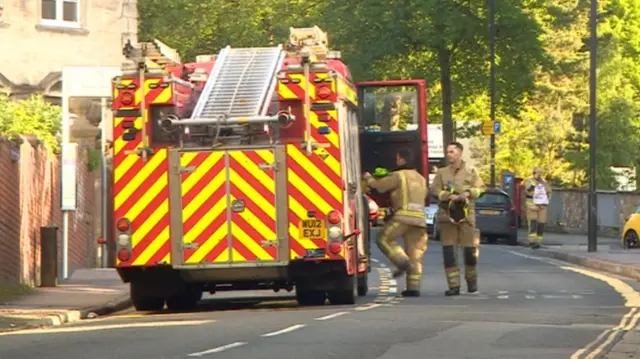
pixel 631 239
pixel 513 239
pixel 492 239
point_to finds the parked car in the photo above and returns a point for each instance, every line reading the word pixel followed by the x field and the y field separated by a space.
pixel 496 216
pixel 631 230
pixel 430 215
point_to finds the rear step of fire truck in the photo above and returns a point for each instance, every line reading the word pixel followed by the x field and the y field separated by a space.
pixel 241 84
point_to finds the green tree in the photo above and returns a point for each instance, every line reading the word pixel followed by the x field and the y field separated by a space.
pixel 33 116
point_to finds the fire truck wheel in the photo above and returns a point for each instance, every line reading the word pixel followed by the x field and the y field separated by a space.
pixel 310 297
pixel 185 301
pixel 346 295
pixel 143 301
pixel 363 285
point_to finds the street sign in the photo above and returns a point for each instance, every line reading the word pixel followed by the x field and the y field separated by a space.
pixel 487 128
pixel 491 127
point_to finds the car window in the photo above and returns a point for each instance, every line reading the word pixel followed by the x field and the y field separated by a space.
pixel 495 199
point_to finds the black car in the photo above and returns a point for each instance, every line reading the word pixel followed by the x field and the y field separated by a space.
pixel 496 216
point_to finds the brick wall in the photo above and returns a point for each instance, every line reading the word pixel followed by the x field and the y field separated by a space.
pixel 29 199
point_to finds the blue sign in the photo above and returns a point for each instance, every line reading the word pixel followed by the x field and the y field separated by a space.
pixel 496 126
pixel 508 179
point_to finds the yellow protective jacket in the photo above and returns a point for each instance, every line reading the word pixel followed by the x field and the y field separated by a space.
pixel 449 180
pixel 530 183
pixel 408 193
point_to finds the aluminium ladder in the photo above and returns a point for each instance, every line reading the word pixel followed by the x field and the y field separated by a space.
pixel 241 84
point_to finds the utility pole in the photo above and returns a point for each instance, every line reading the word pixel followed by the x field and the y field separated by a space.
pixel 492 59
pixel 592 216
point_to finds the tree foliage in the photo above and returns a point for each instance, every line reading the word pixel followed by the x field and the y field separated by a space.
pixel 33 116
pixel 542 57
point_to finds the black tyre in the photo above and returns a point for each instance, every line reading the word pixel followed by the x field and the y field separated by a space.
pixel 363 285
pixel 631 239
pixel 512 240
pixel 310 297
pixel 143 301
pixel 346 295
pixel 185 301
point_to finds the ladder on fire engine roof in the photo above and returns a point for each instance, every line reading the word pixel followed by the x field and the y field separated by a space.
pixel 241 84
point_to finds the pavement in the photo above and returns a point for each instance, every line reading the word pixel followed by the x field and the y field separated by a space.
pixel 88 293
pixel 529 306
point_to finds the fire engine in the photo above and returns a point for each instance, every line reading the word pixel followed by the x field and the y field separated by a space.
pixel 240 171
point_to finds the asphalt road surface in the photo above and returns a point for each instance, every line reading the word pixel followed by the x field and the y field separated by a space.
pixel 527 308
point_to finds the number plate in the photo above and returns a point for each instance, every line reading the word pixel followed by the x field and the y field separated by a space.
pixel 312 228
pixel 490 212
pixel 315 253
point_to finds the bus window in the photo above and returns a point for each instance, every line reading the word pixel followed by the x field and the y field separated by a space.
pixel 390 108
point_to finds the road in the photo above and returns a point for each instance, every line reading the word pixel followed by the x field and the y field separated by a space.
pixel 526 308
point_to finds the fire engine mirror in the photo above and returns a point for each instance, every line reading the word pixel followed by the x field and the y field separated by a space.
pixel 237 205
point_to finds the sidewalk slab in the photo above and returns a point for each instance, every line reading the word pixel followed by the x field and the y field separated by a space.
pixel 89 293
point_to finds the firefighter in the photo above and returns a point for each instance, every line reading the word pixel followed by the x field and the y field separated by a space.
pixel 408 193
pixel 538 193
pixel 457 187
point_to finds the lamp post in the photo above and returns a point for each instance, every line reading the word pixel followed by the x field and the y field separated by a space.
pixel 592 215
pixel 492 89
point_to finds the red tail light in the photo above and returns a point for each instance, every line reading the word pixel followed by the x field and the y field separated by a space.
pixel 124 255
pixel 333 217
pixel 101 240
pixel 323 92
pixel 123 224
pixel 126 98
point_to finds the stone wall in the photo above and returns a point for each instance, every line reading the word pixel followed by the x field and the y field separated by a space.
pixel 29 199
pixel 568 210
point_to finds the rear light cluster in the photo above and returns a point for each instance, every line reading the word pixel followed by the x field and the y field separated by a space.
pixel 334 231
pixel 123 235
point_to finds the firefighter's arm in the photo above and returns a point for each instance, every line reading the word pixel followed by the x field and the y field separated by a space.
pixel 437 187
pixel 384 184
pixel 477 185
pixel 529 187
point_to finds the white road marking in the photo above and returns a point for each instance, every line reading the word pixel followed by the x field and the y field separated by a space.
pixel 283 331
pixel 375 260
pixel 576 296
pixel 531 291
pixel 88 328
pixel 503 297
pixel 367 307
pixel 218 349
pixel 331 316
pixel 502 292
pixel 530 296
pixel 383 265
pixel 630 295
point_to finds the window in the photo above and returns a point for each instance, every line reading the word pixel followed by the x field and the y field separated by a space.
pixel 60 13
pixel 494 199
pixel 390 108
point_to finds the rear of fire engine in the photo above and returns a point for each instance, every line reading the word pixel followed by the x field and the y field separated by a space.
pixel 238 172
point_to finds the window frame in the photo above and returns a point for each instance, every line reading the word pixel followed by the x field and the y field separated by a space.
pixel 59 21
pixel 502 195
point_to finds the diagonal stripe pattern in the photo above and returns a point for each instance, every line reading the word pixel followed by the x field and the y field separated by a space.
pixel 313 185
pixel 140 189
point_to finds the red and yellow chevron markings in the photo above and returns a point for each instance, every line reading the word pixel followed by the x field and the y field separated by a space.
pixel 253 230
pixel 204 208
pixel 141 188
pixel 293 87
pixel 313 185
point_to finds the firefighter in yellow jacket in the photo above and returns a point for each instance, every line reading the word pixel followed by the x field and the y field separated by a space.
pixel 457 187
pixel 538 193
pixel 408 193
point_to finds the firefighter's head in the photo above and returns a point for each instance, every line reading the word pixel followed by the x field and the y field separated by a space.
pixel 537 172
pixel 403 157
pixel 454 152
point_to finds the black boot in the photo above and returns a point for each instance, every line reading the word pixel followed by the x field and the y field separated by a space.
pixel 410 293
pixel 452 292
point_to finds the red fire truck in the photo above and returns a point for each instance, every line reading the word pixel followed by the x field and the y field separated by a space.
pixel 242 171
